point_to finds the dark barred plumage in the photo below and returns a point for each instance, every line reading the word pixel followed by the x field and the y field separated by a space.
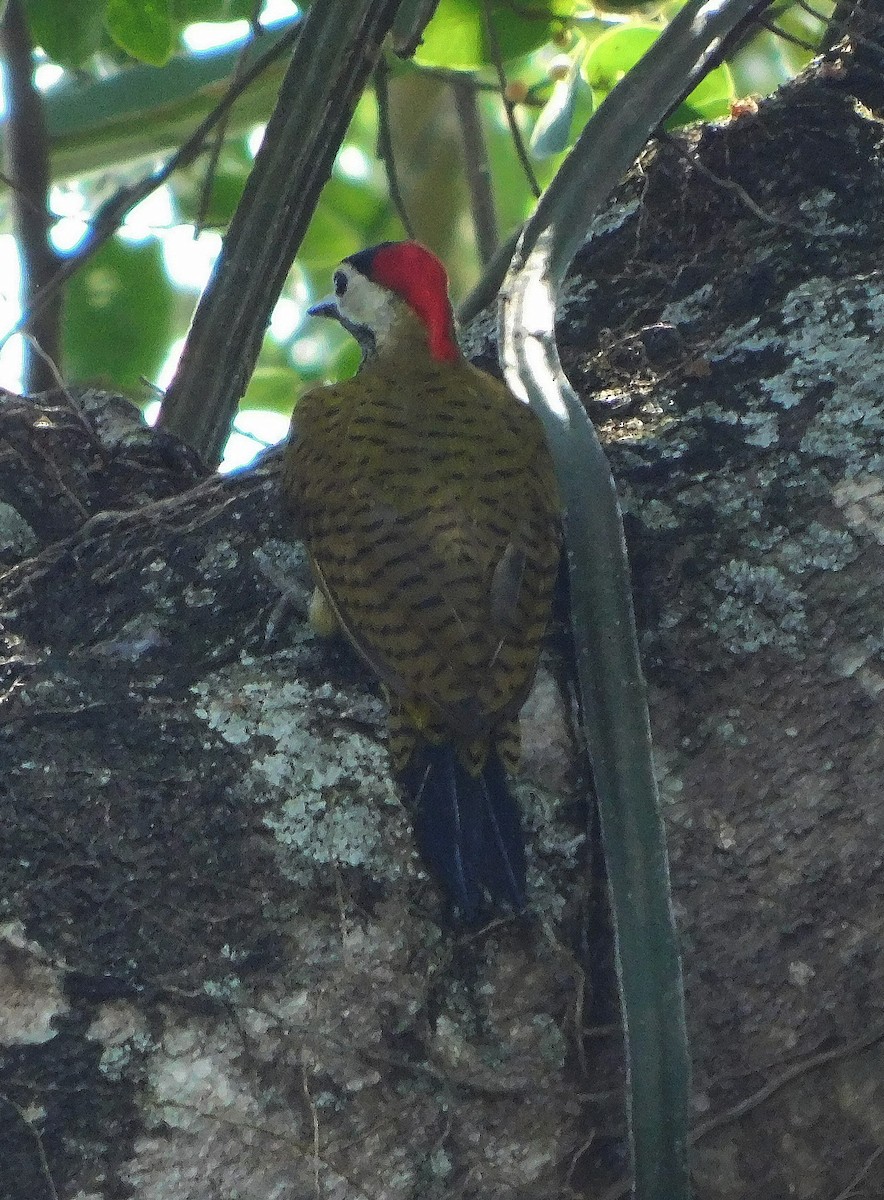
pixel 425 494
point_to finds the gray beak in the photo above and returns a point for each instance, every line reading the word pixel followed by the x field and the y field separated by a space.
pixel 327 307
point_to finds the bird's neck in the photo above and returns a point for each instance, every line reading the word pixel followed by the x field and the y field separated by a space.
pixel 409 342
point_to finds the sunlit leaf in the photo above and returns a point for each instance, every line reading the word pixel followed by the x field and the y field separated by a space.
pixel 118 313
pixel 767 61
pixel 553 132
pixel 143 28
pixel 513 197
pixel 616 52
pixel 358 203
pixel 273 388
pixel 346 361
pixel 224 192
pixel 329 238
pixel 456 36
pixel 711 98
pixel 355 210
pixel 185 12
pixel 68 30
pixel 635 8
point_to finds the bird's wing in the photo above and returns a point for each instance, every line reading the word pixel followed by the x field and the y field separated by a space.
pixel 410 597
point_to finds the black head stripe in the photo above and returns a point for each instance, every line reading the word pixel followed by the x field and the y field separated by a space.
pixel 363 259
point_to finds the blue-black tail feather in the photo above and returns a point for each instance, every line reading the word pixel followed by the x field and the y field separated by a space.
pixel 467 828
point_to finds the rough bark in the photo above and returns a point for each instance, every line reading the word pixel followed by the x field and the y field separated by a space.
pixel 222 970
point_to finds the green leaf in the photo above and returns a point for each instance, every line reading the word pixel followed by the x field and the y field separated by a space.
pixel 68 30
pixel 514 199
pixel 347 360
pixel 227 184
pixel 765 63
pixel 273 388
pixel 143 28
pixel 329 238
pixel 711 98
pixel 456 36
pixel 145 111
pixel 186 12
pixel 647 8
pixel 553 130
pixel 118 314
pixel 355 202
pixel 616 52
pixel 226 192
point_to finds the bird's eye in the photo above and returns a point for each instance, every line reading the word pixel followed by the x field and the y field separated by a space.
pixel 340 283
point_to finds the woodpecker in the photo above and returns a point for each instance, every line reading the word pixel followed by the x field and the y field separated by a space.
pixel 425 495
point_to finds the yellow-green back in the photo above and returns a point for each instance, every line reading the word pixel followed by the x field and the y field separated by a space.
pixel 426 497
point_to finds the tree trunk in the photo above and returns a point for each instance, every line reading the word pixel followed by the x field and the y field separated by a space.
pixel 222 971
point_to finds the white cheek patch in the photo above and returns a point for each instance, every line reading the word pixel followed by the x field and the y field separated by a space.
pixel 365 303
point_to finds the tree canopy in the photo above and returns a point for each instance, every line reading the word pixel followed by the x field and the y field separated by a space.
pixel 452 145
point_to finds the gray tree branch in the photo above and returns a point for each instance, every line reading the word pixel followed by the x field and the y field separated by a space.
pixel 26 163
pixel 335 54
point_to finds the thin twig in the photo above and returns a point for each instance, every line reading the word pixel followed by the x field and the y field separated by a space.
pixel 575 1159
pixel 855 21
pixel 812 12
pixel 26 154
pixel 205 196
pixel 385 144
pixel 108 218
pixel 477 168
pixel 737 1111
pixel 19 189
pixel 220 131
pixel 336 52
pixel 731 185
pixel 486 290
pixel 73 404
pixel 87 221
pixel 861 1174
pixel 53 369
pixel 305 1087
pixel 508 106
pixel 22 1115
pixel 448 74
pixel 794 1072
pixel 773 28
